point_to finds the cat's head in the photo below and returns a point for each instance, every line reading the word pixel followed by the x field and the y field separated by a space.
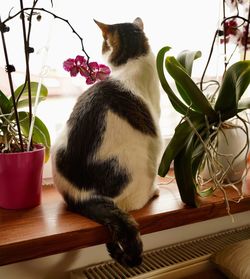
pixel 123 41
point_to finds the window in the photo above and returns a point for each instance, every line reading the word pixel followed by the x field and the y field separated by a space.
pixel 179 24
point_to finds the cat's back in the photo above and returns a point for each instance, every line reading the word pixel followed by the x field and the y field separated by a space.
pixel 111 97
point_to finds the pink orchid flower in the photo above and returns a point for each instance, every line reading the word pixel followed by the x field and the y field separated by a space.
pixel 99 72
pixel 75 66
pixel 91 71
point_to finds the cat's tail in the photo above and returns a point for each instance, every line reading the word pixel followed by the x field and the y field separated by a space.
pixel 126 245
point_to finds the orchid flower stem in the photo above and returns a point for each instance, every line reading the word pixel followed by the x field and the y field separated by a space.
pixel 12 90
pixel 208 61
pixel 26 50
pixel 235 17
pixel 225 43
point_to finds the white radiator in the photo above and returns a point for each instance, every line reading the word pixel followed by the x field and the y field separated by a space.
pixel 170 262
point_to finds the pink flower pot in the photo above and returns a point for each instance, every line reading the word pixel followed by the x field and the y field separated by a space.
pixel 21 178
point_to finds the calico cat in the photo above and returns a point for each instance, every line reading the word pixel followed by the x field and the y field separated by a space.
pixel 105 162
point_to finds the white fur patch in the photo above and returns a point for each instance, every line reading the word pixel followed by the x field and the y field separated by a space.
pixel 137 153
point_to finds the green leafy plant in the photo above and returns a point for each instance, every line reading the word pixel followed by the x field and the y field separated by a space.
pixel 195 136
pixel 20 128
pixel 9 137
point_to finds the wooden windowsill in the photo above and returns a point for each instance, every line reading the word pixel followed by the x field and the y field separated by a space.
pixel 50 228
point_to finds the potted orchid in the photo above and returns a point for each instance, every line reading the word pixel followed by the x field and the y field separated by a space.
pixel 206 122
pixel 24 138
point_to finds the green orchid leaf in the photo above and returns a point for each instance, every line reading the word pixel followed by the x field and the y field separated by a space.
pixel 5 104
pixel 180 137
pixel 25 103
pixel 234 84
pixel 24 99
pixel 40 132
pixel 186 59
pixel 177 104
pixel 183 132
pixel 184 173
pixel 189 90
pixel 186 166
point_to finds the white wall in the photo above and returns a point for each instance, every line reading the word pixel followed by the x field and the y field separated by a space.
pixel 57 266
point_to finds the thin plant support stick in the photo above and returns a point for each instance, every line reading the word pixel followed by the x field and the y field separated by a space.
pixel 8 66
pixel 30 50
pixel 34 113
pixel 26 50
pixel 42 75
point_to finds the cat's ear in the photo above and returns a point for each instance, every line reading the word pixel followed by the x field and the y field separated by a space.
pixel 104 27
pixel 138 21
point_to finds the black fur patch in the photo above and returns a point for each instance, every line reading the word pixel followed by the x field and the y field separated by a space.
pixel 87 125
pixel 129 42
pixel 123 229
pixel 105 178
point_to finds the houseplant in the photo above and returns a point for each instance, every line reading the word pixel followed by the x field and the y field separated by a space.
pixel 195 141
pixel 20 167
pixel 24 138
pixel 201 121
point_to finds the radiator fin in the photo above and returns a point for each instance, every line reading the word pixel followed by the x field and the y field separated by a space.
pixel 166 258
